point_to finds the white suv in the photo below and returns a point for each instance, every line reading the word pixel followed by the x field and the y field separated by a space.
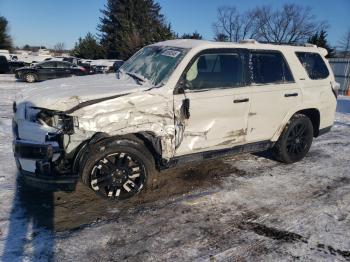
pixel 173 102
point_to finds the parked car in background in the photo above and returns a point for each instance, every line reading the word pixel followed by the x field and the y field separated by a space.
pixel 13 57
pixel 117 65
pixel 5 53
pixel 13 65
pixel 100 69
pixel 4 66
pixel 48 70
pixel 70 59
pixel 89 69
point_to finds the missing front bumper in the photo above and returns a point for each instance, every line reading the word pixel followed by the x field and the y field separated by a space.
pixel 37 169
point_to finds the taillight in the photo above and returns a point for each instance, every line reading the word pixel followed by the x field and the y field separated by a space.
pixel 335 88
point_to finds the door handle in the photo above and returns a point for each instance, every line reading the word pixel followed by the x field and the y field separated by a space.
pixel 244 100
pixel 291 94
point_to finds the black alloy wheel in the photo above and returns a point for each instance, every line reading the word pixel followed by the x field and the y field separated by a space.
pixel 295 140
pixel 118 175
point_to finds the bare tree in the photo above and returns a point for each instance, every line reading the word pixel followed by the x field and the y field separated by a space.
pixel 290 24
pixel 344 43
pixel 220 37
pixel 233 25
pixel 59 48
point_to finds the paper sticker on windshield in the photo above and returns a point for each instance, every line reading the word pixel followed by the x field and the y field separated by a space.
pixel 171 53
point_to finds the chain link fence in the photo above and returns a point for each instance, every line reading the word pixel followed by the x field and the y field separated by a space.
pixel 341 70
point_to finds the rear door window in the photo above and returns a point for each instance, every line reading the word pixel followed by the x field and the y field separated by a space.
pixel 48 65
pixel 63 65
pixel 313 64
pixel 269 67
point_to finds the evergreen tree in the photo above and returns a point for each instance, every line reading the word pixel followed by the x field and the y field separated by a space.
pixel 128 25
pixel 220 37
pixel 320 39
pixel 5 39
pixel 88 48
pixel 194 35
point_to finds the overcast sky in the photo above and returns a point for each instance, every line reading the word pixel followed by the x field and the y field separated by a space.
pixel 38 22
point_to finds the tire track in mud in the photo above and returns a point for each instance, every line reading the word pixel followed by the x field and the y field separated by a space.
pixel 253 221
pixel 74 210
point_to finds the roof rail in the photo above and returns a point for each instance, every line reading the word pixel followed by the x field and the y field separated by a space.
pixel 248 41
pixel 310 45
pixel 292 44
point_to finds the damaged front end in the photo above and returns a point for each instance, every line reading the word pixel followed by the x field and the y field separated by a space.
pixel 40 139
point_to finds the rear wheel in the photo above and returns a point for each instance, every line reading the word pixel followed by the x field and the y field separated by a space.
pixel 30 78
pixel 295 140
pixel 118 169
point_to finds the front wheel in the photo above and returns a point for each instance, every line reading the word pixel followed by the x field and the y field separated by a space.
pixel 295 140
pixel 118 169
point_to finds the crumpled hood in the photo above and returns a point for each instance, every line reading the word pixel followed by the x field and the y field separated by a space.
pixel 66 93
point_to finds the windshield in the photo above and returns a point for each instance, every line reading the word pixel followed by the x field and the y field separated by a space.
pixel 154 63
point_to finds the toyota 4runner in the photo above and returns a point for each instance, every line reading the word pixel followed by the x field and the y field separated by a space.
pixel 173 102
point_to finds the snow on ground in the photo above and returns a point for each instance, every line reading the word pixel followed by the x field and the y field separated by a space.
pixel 241 208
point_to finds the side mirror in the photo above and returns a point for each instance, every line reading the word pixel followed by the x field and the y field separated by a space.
pixel 182 85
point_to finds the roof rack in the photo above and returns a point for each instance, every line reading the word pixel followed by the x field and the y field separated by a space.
pixel 248 41
pixel 292 44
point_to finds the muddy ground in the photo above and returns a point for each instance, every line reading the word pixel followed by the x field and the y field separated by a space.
pixel 242 208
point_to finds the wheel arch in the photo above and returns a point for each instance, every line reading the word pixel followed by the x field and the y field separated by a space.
pixel 314 115
pixel 311 112
pixel 148 139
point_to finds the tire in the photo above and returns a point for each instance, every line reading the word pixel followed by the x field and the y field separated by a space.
pixel 295 140
pixel 30 78
pixel 117 169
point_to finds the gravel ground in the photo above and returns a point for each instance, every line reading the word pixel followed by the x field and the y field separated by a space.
pixel 241 208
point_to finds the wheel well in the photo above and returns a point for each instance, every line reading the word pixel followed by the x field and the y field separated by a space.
pixel 152 143
pixel 314 115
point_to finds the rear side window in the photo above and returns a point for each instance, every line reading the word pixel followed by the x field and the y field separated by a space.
pixel 48 64
pixel 269 67
pixel 63 65
pixel 313 64
pixel 216 70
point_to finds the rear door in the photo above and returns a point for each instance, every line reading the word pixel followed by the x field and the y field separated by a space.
pixel 218 102
pixel 63 69
pixel 47 70
pixel 273 94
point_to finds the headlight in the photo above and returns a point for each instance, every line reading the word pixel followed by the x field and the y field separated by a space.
pixel 59 120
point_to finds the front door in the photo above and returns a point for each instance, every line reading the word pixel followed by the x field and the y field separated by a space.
pixel 218 102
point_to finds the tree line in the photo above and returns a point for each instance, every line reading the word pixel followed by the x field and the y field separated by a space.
pixel 127 25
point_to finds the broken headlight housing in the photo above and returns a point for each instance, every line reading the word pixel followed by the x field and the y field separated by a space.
pixel 57 119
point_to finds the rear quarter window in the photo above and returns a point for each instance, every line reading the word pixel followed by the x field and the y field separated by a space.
pixel 313 64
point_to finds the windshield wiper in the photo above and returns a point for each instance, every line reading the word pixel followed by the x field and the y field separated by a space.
pixel 137 77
